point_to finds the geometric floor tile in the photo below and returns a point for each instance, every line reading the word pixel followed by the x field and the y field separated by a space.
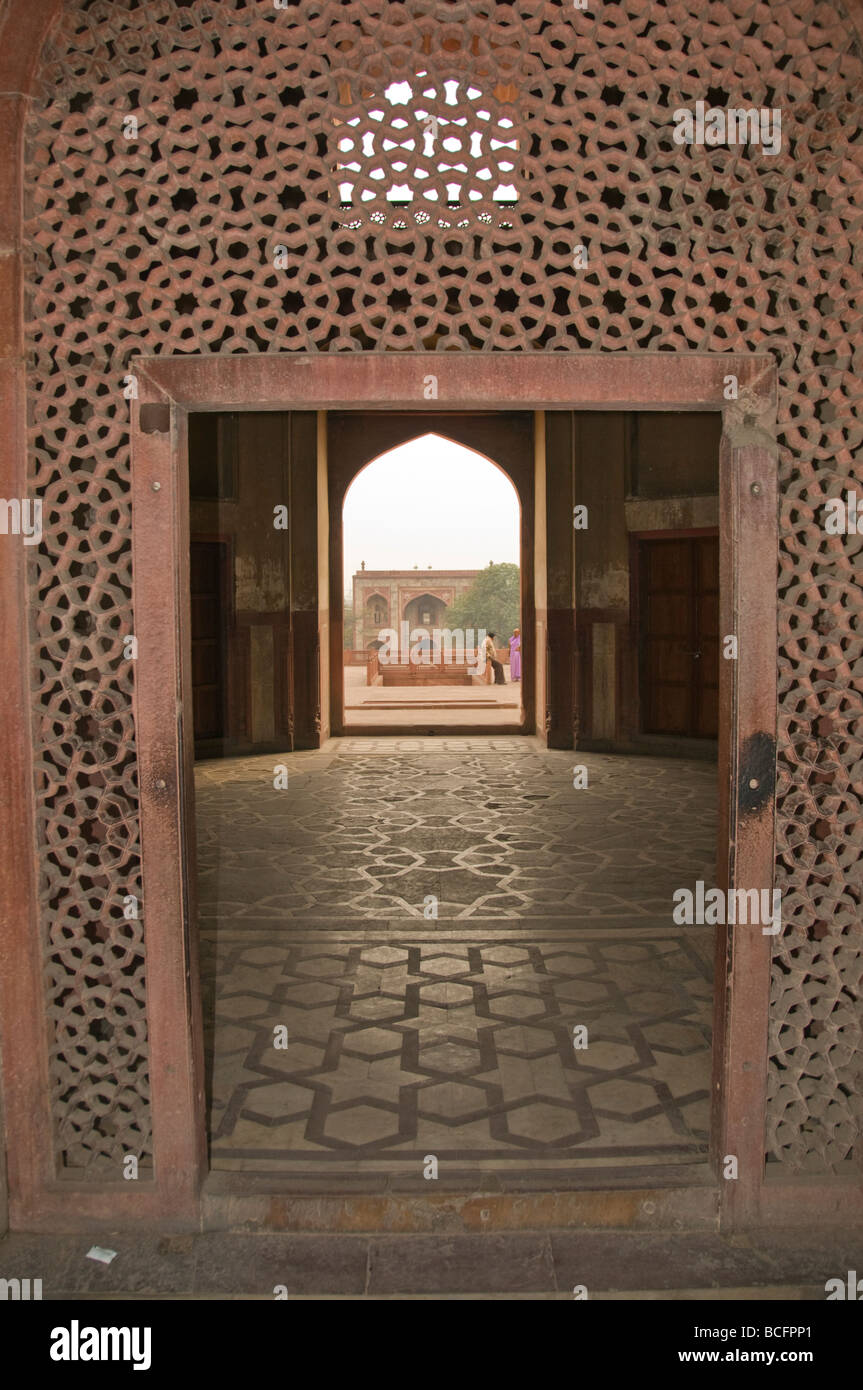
pixel 487 1068
pixel 550 1017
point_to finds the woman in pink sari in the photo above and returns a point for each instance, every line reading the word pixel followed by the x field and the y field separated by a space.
pixel 515 656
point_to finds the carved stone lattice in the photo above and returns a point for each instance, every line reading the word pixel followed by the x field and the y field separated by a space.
pixel 166 242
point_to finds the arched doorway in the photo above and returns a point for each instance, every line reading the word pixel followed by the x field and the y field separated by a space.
pixel 426 610
pixel 419 507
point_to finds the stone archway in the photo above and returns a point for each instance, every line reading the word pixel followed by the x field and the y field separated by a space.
pixel 426 610
pixel 508 441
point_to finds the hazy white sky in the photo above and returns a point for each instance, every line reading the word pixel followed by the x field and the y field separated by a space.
pixel 430 503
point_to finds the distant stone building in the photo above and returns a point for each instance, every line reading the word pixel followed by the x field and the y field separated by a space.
pixel 386 598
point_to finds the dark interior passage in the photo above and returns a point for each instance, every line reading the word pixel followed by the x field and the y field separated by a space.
pixel 619 651
pixel 253 595
pixel 645 579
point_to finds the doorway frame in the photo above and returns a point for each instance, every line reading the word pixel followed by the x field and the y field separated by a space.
pixel 171 387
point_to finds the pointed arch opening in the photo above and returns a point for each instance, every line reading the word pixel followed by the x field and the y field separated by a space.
pixel 427 551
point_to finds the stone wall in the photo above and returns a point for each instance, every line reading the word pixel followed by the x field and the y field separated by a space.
pixel 213 223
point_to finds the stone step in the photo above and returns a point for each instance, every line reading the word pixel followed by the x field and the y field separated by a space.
pixel 366 705
pixel 244 1201
pixel 555 1264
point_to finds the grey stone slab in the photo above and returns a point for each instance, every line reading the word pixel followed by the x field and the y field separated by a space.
pixel 143 1265
pixel 807 1257
pixel 461 1264
pixel 620 1261
pixel 49 1258
pixel 304 1264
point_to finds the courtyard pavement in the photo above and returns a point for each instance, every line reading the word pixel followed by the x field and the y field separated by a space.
pixel 482 706
pixel 431 920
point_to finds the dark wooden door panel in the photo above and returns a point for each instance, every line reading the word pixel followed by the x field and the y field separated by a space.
pixel 670 566
pixel 206 657
pixel 208 571
pixel 206 616
pixel 679 636
pixel 667 633
pixel 706 712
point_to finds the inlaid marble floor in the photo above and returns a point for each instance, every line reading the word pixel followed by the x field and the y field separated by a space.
pixel 412 1034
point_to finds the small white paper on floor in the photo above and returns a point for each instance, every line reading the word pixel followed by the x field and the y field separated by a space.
pixel 104 1257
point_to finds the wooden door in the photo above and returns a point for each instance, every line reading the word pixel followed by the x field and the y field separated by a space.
pixel 679 635
pixel 209 576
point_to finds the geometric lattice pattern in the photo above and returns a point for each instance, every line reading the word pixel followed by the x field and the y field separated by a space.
pixel 169 243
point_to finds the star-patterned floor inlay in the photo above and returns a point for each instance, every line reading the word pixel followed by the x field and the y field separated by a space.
pixel 368 829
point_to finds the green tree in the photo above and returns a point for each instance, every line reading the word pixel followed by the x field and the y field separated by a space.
pixel 493 602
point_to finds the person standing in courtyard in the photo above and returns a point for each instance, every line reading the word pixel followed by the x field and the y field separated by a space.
pixel 491 655
pixel 515 655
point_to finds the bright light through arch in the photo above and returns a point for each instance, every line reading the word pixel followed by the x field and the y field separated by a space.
pixel 431 503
